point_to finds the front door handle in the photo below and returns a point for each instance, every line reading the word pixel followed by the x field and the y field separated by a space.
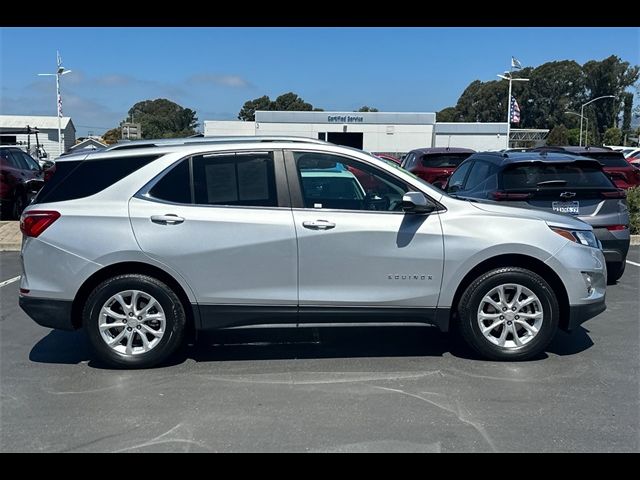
pixel 168 219
pixel 319 225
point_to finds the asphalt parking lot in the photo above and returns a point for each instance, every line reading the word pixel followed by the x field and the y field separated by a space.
pixel 337 390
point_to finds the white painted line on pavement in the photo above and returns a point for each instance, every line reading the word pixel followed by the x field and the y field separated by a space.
pixel 11 280
pixel 633 263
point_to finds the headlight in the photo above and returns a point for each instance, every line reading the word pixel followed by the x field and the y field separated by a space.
pixel 584 237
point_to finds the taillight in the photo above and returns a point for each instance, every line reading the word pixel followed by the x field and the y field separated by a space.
pixel 614 228
pixel 34 222
pixel 510 196
pixel 617 194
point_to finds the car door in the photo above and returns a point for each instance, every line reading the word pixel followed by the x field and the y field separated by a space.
pixel 223 221
pixel 357 248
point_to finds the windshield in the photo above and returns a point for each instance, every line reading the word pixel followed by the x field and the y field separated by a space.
pixel 569 175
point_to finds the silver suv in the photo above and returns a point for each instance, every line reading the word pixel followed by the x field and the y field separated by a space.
pixel 139 246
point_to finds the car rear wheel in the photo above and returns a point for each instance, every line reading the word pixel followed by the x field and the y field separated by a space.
pixel 134 321
pixel 508 314
pixel 615 272
pixel 19 204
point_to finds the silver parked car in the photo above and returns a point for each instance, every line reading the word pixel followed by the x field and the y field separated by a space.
pixel 140 245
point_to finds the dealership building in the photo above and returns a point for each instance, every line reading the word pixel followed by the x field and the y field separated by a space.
pixel 389 132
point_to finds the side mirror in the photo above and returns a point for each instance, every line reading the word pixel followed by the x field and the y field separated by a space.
pixel 416 202
pixel 47 165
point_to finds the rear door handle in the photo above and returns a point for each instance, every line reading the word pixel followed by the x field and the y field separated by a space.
pixel 168 219
pixel 319 225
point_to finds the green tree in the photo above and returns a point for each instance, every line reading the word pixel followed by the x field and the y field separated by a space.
pixel 162 118
pixel 573 135
pixel 366 108
pixel 291 102
pixel 286 102
pixel 626 113
pixel 248 110
pixel 448 114
pixel 112 136
pixel 610 76
pixel 559 135
pixel 613 136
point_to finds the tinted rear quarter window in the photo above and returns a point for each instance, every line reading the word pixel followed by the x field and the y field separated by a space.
pixel 447 160
pixel 575 176
pixel 83 178
pixel 175 185
pixel 613 159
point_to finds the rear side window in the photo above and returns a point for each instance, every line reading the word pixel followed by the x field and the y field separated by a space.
pixel 175 185
pixel 450 160
pixel 557 175
pixel 82 178
pixel 246 179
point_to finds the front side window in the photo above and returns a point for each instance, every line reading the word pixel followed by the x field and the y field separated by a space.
pixel 243 179
pixel 30 162
pixel 480 173
pixel 456 181
pixel 336 182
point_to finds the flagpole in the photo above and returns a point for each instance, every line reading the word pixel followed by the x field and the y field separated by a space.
pixel 509 104
pixel 58 113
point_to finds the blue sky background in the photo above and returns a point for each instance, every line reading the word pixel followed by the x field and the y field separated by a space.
pixel 215 70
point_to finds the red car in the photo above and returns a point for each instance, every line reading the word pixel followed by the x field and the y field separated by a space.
pixel 21 177
pixel 622 172
pixel 388 158
pixel 435 165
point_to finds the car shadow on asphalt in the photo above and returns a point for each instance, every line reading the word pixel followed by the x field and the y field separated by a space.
pixel 64 347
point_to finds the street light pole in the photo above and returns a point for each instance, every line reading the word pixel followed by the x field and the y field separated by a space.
pixel 60 70
pixel 582 112
pixel 581 117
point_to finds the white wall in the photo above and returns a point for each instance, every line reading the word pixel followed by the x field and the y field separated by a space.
pixel 48 138
pixel 479 142
pixel 228 127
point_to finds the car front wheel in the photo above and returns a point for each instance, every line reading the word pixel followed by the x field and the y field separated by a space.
pixel 134 321
pixel 508 313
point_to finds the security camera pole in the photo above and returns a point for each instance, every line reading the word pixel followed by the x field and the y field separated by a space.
pixel 59 72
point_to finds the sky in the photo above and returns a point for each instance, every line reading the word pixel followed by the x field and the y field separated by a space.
pixel 215 70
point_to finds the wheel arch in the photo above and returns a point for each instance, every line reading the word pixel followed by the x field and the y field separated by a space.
pixel 191 310
pixel 522 261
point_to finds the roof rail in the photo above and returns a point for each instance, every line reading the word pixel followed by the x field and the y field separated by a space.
pixel 168 142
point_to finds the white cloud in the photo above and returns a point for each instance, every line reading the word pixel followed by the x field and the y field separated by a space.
pixel 233 81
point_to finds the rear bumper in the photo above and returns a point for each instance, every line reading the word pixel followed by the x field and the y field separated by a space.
pixel 578 314
pixel 615 245
pixel 48 313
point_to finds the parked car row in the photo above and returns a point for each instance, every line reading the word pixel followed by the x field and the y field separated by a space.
pixel 21 177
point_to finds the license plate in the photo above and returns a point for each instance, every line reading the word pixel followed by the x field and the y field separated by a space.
pixel 566 207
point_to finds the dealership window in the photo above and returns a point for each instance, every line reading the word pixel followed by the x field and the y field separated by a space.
pixel 336 182
pixel 244 179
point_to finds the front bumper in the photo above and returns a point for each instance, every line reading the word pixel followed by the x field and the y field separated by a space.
pixel 578 314
pixel 48 313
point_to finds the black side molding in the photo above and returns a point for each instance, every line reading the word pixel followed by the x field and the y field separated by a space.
pixel 48 313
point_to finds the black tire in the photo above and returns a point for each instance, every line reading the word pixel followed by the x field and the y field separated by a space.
pixel 19 204
pixel 470 303
pixel 615 272
pixel 174 316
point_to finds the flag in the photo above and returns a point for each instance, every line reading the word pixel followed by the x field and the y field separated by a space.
pixel 59 104
pixel 515 63
pixel 515 110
